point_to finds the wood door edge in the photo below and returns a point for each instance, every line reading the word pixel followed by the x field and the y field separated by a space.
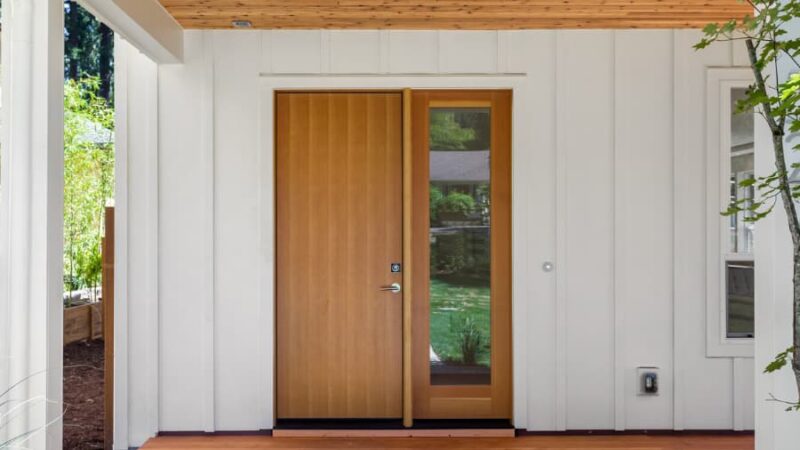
pixel 408 411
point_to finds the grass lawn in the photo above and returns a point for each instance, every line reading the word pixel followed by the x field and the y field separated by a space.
pixel 451 301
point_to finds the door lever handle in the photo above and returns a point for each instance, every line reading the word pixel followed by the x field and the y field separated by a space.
pixel 394 288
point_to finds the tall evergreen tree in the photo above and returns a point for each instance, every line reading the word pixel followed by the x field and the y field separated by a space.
pixel 88 48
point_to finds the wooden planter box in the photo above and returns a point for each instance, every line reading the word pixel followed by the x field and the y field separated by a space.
pixel 83 323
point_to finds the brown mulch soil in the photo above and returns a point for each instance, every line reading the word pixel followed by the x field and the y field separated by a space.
pixel 83 395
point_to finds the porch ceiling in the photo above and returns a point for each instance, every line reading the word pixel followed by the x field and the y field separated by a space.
pixel 454 14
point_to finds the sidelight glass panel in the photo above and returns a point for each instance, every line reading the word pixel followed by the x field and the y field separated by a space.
pixel 741 162
pixel 740 284
pixel 460 250
pixel 739 280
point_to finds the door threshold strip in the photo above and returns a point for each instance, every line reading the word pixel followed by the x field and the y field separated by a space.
pixel 395 433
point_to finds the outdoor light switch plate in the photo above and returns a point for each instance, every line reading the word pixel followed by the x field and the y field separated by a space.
pixel 648 380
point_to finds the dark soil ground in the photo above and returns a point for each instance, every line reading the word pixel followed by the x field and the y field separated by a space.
pixel 83 396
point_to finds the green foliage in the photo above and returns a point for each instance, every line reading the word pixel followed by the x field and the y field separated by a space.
pixel 435 200
pixel 778 103
pixel 457 202
pixel 447 134
pixel 449 253
pixel 88 48
pixel 472 342
pixel 88 179
pixel 780 361
pixel 464 129
pixel 451 300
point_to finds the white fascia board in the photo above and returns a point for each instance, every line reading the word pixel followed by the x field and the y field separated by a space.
pixel 143 23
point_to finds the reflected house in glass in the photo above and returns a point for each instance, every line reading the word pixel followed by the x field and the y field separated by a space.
pixel 460 212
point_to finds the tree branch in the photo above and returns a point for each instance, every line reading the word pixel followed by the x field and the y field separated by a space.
pixel 788 205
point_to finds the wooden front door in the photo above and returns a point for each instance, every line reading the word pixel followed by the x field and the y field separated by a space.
pixel 339 206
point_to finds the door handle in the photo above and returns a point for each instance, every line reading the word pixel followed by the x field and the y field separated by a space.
pixel 394 288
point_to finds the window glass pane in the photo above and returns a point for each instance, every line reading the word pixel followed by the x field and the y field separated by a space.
pixel 741 154
pixel 460 210
pixel 740 293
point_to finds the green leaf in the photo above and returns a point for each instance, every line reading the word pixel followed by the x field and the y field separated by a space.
pixel 780 361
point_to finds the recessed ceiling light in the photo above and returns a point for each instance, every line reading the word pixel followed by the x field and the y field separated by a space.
pixel 242 24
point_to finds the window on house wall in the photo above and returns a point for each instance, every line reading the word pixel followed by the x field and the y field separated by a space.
pixel 730 270
pixel 738 257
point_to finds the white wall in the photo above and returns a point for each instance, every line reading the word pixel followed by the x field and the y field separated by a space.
pixel 609 181
pixel 775 428
pixel 31 223
pixel 136 312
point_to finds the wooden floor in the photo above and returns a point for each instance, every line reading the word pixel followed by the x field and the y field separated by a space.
pixel 637 442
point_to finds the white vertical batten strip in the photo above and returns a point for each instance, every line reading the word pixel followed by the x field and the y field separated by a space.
pixel 673 226
pixel 619 269
pixel 325 51
pixel 121 96
pixel 561 250
pixel 502 51
pixel 266 51
pixel 679 146
pixel 266 245
pixel 438 51
pixel 151 251
pixel 385 50
pixel 737 390
pixel 208 156
pixel 5 306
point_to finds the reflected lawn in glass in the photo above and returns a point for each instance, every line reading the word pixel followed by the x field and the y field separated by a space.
pixel 460 250
pixel 452 302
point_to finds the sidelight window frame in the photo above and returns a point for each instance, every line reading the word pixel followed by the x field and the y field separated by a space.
pixel 721 82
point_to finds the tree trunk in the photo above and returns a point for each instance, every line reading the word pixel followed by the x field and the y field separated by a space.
pixel 72 24
pixel 105 61
pixel 785 189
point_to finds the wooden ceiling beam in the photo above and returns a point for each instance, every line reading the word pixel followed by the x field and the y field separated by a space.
pixel 454 14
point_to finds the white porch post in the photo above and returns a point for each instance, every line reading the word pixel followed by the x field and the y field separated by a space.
pixel 31 216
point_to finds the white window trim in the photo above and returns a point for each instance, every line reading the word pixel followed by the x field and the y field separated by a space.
pixel 719 83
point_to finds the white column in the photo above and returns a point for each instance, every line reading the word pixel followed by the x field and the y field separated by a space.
pixel 136 343
pixel 31 217
pixel 776 429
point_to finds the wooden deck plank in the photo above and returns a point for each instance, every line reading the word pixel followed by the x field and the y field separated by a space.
pixel 613 442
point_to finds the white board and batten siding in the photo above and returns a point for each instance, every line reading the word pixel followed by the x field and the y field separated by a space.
pixel 609 180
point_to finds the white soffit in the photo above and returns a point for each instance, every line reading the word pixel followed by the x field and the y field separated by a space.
pixel 143 23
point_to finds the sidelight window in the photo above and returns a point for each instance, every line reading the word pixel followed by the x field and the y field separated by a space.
pixel 731 161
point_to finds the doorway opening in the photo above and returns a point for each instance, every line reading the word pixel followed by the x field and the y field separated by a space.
pixel 88 229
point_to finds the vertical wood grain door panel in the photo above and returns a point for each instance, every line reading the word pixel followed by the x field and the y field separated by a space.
pixel 339 208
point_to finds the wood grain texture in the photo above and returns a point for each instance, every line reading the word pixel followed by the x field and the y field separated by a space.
pixel 466 401
pixel 339 228
pixel 678 442
pixel 108 329
pixel 83 323
pixel 408 282
pixel 454 14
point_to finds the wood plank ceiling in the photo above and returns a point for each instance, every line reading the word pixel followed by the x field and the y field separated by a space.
pixel 454 14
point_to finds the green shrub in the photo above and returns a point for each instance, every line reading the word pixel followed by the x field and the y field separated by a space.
pixel 450 253
pixel 472 342
pixel 88 179
pixel 457 202
pixel 436 197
